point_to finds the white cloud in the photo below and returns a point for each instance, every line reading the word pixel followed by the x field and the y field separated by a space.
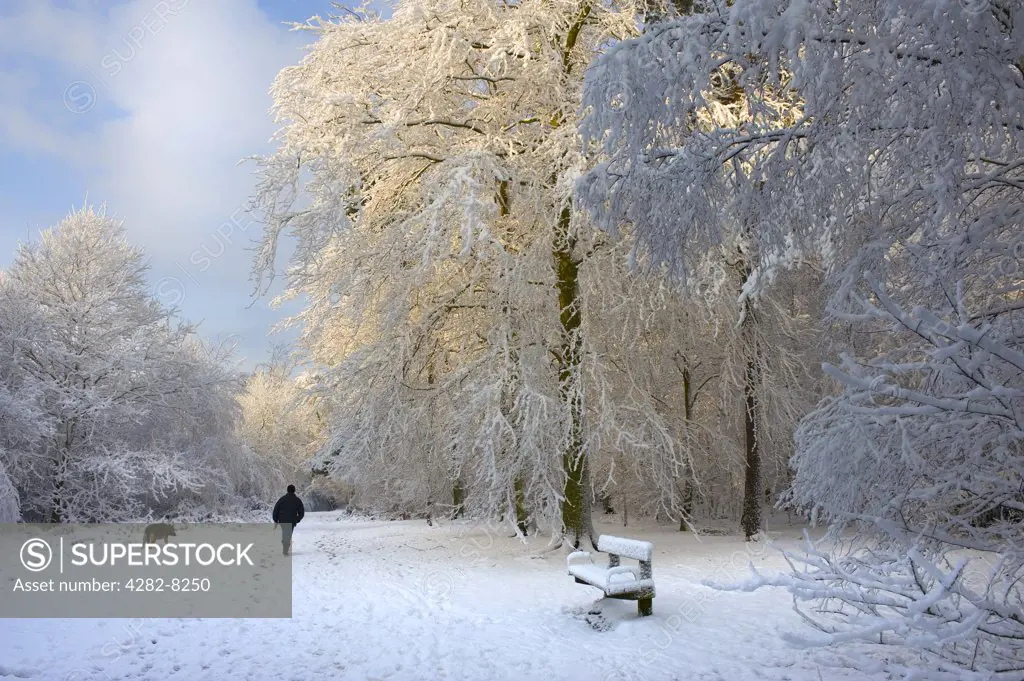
pixel 179 92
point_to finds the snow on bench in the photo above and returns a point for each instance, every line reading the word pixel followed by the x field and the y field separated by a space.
pixel 618 581
pixel 627 548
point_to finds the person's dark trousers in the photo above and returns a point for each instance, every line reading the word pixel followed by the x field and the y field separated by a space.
pixel 286 537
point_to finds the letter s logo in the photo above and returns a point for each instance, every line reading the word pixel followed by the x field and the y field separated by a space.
pixel 79 97
pixel 36 555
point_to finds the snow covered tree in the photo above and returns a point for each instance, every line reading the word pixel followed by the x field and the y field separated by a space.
pixel 23 426
pixel 446 269
pixel 125 409
pixel 634 186
pixel 681 359
pixel 10 508
pixel 281 422
pixel 898 165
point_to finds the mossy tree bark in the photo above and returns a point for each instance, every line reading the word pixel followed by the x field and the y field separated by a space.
pixel 576 518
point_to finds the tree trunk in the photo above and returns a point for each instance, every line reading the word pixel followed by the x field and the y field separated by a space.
pixel 575 505
pixel 458 497
pixel 57 512
pixel 684 524
pixel 687 481
pixel 751 519
pixel 522 518
pixel 58 496
pixel 576 519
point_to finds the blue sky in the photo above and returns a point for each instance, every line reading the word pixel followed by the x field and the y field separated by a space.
pixel 148 106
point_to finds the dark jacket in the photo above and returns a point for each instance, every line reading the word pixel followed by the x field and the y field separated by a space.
pixel 289 509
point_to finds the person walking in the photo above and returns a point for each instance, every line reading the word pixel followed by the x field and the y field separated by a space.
pixel 288 512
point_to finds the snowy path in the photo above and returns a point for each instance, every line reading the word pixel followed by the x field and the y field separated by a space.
pixel 401 600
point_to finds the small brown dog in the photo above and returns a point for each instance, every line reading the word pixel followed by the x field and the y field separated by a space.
pixel 157 531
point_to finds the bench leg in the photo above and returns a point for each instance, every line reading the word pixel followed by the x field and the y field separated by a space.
pixel 645 606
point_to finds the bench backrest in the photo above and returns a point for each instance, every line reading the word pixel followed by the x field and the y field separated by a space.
pixel 628 548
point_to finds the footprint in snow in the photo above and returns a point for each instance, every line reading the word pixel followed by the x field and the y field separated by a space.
pixel 594 618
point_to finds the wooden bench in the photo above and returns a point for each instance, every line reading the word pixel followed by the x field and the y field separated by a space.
pixel 618 581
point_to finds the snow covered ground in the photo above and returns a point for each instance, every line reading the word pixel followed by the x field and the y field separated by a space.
pixel 401 600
